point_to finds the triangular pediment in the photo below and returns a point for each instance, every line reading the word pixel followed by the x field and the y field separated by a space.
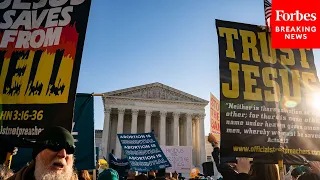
pixel 156 91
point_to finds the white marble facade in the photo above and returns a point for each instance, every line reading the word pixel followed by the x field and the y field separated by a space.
pixel 177 118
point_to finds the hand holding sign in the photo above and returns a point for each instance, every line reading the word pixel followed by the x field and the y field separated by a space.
pixel 212 139
pixel 243 165
pixel 175 175
pixel 315 167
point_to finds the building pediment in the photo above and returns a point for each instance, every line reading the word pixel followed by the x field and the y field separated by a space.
pixel 156 91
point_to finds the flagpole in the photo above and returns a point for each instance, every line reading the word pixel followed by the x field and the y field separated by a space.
pixel 97 94
pixel 267 13
pixel 8 160
pixel 281 168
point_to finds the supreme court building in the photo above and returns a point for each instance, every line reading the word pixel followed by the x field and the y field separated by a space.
pixel 177 118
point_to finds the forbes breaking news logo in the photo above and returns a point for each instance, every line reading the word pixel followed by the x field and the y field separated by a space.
pixel 294 27
pixel 295 32
pixel 296 16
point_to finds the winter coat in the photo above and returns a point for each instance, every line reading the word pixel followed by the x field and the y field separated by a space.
pixel 26 173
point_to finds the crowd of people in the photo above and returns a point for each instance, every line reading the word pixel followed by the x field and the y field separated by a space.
pixel 53 159
pixel 244 169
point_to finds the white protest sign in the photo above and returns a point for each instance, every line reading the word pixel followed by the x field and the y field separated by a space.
pixel 180 158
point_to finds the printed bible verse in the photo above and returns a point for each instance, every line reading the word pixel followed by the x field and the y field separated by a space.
pixel 259 121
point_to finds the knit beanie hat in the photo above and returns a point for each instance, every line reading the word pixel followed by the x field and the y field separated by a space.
pixel 54 138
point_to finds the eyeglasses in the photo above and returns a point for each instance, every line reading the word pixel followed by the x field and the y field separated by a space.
pixel 55 146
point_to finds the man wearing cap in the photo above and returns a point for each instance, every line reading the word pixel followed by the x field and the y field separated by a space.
pixel 52 157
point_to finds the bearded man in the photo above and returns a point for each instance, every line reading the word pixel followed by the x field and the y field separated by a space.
pixel 52 157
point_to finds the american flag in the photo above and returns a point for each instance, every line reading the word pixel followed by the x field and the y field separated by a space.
pixel 267 11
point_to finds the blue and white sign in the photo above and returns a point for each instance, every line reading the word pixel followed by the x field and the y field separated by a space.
pixel 143 152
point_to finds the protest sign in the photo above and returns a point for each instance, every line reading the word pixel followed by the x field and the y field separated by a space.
pixel 266 97
pixel 83 132
pixel 215 117
pixel 41 44
pixel 143 152
pixel 180 158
